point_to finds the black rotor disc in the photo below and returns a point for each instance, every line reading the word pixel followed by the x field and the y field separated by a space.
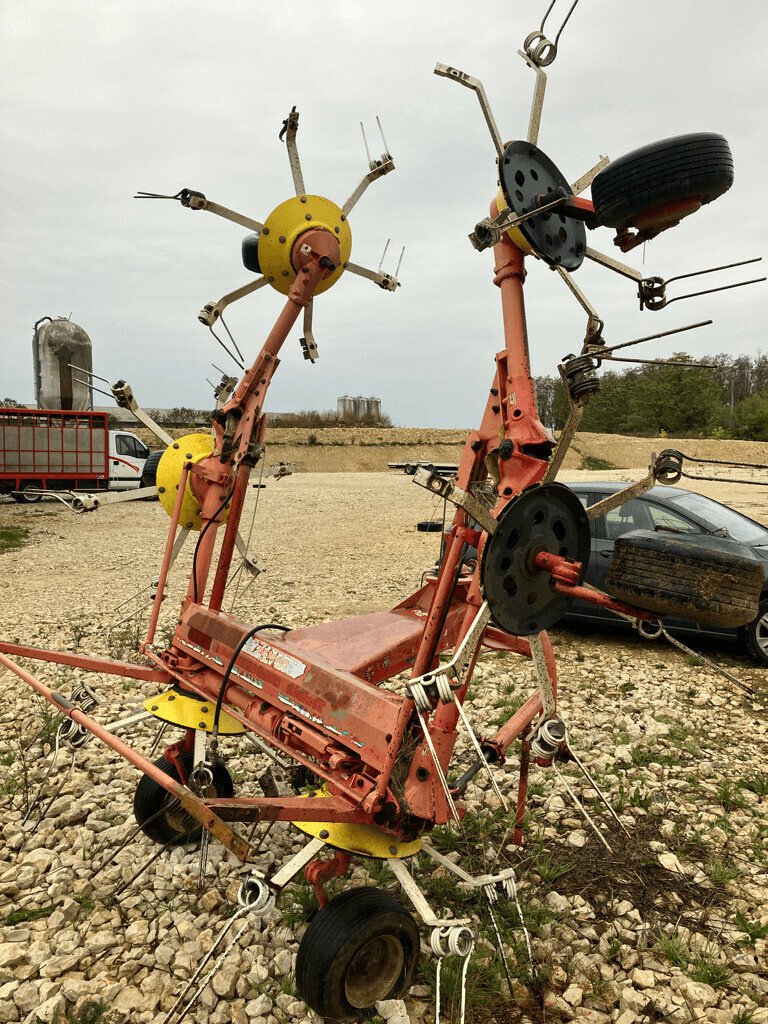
pixel 545 517
pixel 525 174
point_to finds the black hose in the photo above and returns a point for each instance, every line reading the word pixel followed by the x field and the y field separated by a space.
pixel 228 672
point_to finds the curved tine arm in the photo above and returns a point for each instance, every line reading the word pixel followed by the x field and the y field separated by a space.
pixel 594 323
pixel 386 165
pixel 583 183
pixel 477 87
pixel 291 129
pixel 123 395
pixel 199 202
pixel 384 281
pixel 612 264
pixel 537 103
pixel 211 311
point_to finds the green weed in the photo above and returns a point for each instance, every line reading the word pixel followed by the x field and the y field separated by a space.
pixel 12 537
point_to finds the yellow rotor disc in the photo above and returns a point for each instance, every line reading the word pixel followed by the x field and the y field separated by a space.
pixel 284 225
pixel 191 713
pixel 366 840
pixel 190 448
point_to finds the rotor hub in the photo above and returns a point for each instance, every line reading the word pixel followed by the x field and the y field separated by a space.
pixel 283 228
pixel 522 597
pixel 528 179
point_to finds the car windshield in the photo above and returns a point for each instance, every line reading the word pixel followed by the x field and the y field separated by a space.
pixel 719 518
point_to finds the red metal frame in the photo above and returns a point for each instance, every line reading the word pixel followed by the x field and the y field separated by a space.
pixel 97 475
pixel 312 693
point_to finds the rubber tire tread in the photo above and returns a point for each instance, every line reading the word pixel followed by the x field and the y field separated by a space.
pixel 707 583
pixel 748 636
pixel 149 796
pixel 149 472
pixel 682 167
pixel 332 939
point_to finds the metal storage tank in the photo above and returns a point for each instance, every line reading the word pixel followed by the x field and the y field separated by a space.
pixel 57 344
pixel 373 408
pixel 344 407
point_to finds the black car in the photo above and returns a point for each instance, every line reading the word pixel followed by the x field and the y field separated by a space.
pixel 672 510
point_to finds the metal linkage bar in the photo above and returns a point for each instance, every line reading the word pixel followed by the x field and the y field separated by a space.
pixel 308 343
pixel 616 265
pixel 477 87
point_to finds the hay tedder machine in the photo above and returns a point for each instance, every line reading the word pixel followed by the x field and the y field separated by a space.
pixel 378 759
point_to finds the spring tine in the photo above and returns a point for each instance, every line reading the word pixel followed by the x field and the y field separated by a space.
pixel 602 796
pixel 479 752
pixel 381 132
pixel 201 967
pixel 582 809
pixel 158 737
pixel 713 270
pixel 381 261
pixel 599 349
pixel 710 291
pixel 499 943
pixel 365 143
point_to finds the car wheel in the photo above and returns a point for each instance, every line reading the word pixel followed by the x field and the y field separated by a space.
pixel 755 635
pixel 714 581
pixel 363 946
pixel 149 472
pixel 696 166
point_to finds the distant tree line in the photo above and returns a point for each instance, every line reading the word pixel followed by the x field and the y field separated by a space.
pixel 729 401
pixel 183 416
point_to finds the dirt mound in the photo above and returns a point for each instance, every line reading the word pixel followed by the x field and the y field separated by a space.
pixel 369 449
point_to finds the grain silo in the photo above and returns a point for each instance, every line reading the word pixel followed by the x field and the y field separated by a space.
pixel 56 347
pixel 345 407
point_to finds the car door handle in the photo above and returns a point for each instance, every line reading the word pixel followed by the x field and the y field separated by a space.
pixel 115 462
pixel 605 554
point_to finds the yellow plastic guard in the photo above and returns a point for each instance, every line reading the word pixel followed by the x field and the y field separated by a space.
pixel 366 840
pixel 191 713
pixel 515 234
pixel 190 448
pixel 284 225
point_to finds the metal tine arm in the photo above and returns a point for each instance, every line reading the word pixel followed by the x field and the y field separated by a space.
pixel 211 312
pixel 290 128
pixel 616 265
pixel 197 201
pixel 384 281
pixel 583 183
pixel 122 394
pixel 477 87
pixel 376 169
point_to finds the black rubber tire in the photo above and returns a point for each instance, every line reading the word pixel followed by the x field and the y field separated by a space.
pixel 345 942
pixel 173 827
pixel 149 472
pixel 755 635
pixel 430 526
pixel 699 165
pixel 250 253
pixel 32 499
pixel 713 581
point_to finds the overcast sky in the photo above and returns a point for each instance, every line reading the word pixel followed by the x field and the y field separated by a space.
pixel 100 99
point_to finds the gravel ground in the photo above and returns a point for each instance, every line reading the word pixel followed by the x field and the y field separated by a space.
pixel 669 926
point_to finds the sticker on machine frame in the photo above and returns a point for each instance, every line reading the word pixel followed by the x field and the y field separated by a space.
pixel 285 663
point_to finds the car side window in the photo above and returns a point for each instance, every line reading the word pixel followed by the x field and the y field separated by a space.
pixel 667 521
pixel 632 515
pixel 124 445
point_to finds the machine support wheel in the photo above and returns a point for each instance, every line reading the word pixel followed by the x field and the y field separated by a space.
pixel 714 581
pixel 755 635
pixel 159 815
pixel 361 947
pixel 28 499
pixel 696 166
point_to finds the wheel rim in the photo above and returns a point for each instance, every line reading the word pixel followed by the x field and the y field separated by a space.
pixel 761 634
pixel 182 823
pixel 374 971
